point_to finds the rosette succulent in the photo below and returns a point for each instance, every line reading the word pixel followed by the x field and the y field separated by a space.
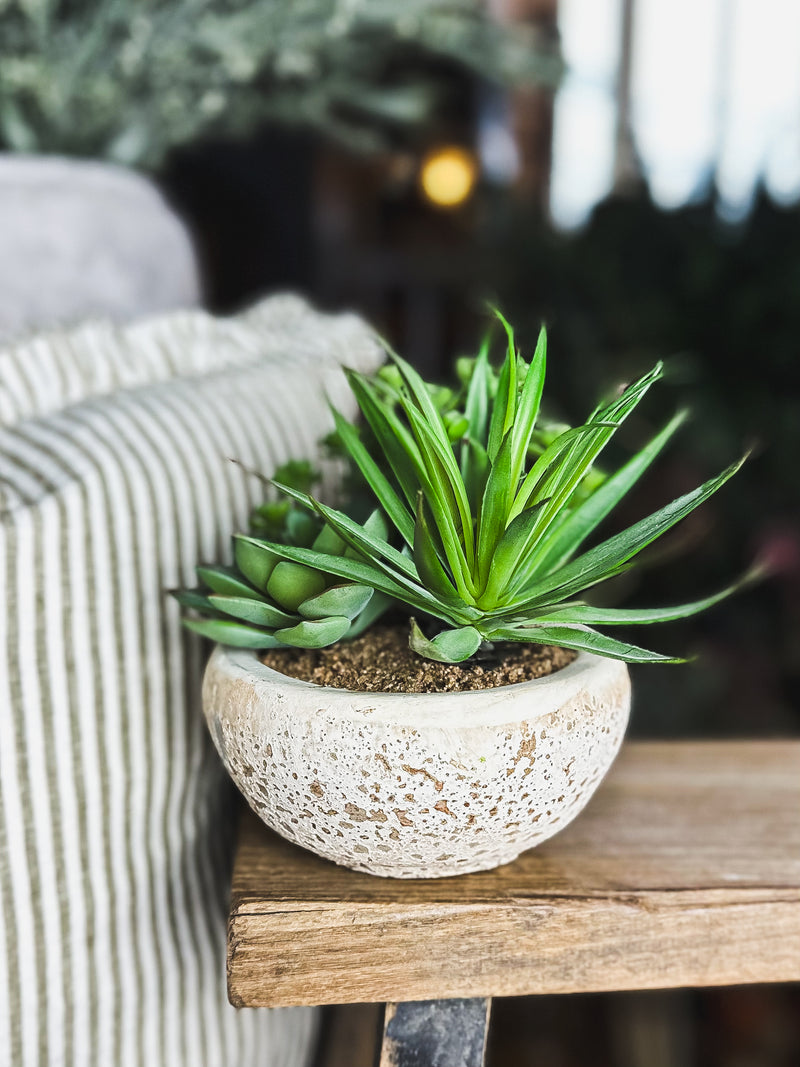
pixel 266 602
pixel 484 509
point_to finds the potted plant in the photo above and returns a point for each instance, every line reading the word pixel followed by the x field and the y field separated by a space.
pixel 478 540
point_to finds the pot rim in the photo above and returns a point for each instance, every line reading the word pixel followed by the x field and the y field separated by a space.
pixel 539 696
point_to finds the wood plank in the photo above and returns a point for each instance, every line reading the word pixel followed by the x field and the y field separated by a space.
pixel 683 871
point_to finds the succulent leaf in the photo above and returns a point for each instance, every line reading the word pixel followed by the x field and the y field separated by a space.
pixel 348 600
pixel 291 583
pixel 254 561
pixel 315 633
pixel 259 612
pixel 449 646
pixel 327 540
pixel 226 581
pixel 227 632
pixel 190 598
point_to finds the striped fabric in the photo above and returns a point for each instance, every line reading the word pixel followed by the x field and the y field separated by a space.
pixel 115 825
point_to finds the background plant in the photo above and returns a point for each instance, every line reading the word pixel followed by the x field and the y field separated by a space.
pixel 489 529
pixel 127 81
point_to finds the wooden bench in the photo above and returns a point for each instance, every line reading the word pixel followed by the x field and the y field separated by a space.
pixel 683 871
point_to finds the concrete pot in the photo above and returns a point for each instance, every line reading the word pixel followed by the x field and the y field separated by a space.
pixel 416 785
pixel 83 239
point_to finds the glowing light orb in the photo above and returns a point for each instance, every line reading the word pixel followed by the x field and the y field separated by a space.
pixel 448 176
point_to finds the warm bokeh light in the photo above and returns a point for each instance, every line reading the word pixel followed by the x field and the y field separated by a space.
pixel 448 176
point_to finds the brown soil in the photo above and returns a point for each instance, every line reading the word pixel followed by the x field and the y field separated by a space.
pixel 382 662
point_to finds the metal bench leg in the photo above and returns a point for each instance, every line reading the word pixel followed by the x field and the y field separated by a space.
pixel 435 1033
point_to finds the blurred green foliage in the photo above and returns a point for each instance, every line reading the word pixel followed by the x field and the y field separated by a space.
pixel 126 81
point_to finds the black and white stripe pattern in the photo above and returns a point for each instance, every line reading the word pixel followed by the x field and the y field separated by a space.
pixel 115 480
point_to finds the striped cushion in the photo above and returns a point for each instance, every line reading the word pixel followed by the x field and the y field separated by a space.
pixel 114 812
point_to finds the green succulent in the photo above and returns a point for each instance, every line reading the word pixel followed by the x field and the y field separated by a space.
pixel 267 602
pixel 486 528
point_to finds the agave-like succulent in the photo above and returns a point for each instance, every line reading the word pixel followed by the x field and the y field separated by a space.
pixel 486 525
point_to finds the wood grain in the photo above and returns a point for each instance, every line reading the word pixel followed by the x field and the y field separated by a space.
pixel 683 871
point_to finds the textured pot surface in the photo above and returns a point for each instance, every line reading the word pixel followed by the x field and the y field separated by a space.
pixel 416 785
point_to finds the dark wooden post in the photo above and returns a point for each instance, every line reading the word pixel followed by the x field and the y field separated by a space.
pixel 435 1033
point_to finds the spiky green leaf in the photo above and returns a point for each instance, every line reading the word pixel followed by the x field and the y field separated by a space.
pixel 606 559
pixel 388 499
pixel 426 558
pixel 581 641
pixel 589 615
pixel 580 523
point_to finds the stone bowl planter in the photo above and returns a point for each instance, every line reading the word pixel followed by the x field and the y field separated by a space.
pixel 416 785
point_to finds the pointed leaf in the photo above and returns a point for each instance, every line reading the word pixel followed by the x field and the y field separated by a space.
pixel 528 408
pixel 566 474
pixel 418 390
pixel 394 440
pixel 494 510
pixel 509 555
pixel 445 475
pixel 505 400
pixel 588 615
pixel 476 464
pixel 538 480
pixel 426 559
pixel 581 641
pixel 478 399
pixel 412 472
pixel 388 499
pixel 607 558
pixel 580 523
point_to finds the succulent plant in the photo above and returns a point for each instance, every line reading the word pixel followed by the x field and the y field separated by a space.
pixel 486 525
pixel 266 602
